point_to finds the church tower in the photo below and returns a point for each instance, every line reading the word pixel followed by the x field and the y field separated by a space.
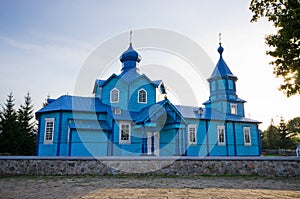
pixel 222 83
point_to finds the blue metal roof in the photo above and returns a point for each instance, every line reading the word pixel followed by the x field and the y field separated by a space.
pixel 128 76
pixel 210 114
pixel 100 82
pixel 91 104
pixel 221 69
pixel 74 103
pixel 130 54
pixel 156 83
pixel 224 98
pixel 146 113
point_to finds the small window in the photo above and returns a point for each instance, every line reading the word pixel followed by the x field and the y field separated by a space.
pixel 49 130
pixel 213 85
pixel 221 84
pixel 118 111
pixel 233 109
pixel 192 134
pixel 124 133
pixel 247 136
pixel 114 96
pixel 221 135
pixel 142 97
pixel 230 84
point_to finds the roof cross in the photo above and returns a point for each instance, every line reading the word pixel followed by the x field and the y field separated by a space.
pixel 220 38
pixel 130 37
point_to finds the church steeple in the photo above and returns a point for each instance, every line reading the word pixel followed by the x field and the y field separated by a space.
pixel 222 80
pixel 221 70
pixel 222 84
pixel 130 58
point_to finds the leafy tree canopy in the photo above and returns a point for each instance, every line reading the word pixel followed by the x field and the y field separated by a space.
pixel 293 126
pixel 285 15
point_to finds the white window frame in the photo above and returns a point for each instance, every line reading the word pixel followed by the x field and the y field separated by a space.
pixel 245 130
pixel 111 95
pixel 121 124
pixel 47 130
pixel 145 102
pixel 194 127
pixel 220 129
pixel 233 109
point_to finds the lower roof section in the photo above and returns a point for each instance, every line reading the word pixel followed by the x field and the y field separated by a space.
pixel 94 105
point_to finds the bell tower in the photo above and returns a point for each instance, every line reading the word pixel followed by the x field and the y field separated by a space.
pixel 222 83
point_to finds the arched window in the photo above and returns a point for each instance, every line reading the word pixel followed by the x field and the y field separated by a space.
pixel 142 97
pixel 114 96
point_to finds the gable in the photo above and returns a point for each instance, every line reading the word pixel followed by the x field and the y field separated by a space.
pixel 151 113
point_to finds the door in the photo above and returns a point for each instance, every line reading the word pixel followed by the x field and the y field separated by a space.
pixel 153 143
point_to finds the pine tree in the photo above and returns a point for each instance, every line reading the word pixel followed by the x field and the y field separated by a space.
pixel 27 126
pixel 271 137
pixel 9 131
pixel 286 141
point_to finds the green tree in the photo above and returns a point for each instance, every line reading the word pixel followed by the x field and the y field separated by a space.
pixel 9 131
pixel 286 138
pixel 26 124
pixel 285 16
pixel 293 126
pixel 270 137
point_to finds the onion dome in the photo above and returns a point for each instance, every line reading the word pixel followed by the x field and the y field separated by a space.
pixel 220 49
pixel 130 59
pixel 130 54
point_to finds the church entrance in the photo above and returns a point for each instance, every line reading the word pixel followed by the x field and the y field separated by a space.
pixel 153 143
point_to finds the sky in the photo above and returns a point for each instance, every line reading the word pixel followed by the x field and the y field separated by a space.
pixel 43 45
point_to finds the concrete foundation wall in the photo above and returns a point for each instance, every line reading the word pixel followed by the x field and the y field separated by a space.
pixel 183 166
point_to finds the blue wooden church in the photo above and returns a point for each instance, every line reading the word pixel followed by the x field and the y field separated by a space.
pixel 130 115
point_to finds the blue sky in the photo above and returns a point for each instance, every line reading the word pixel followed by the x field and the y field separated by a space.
pixel 44 43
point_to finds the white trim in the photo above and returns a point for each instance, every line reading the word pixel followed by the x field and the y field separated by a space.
pixel 245 129
pixel 146 97
pixel 69 132
pixel 192 126
pixel 121 124
pixel 47 128
pixel 118 95
pixel 233 109
pixel 156 138
pixel 220 129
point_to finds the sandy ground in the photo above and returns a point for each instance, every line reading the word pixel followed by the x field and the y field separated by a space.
pixel 147 187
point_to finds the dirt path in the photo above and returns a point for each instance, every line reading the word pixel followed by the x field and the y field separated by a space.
pixel 147 187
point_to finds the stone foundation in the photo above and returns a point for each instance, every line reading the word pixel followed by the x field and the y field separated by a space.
pixel 182 166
